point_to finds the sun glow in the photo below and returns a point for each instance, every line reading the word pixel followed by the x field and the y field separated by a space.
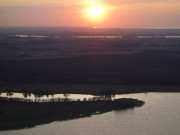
pixel 95 11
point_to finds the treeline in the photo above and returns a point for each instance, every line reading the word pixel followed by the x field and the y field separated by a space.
pixel 121 103
pixel 24 100
pixel 105 97
pixel 38 93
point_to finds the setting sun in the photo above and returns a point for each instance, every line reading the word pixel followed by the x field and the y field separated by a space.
pixel 95 11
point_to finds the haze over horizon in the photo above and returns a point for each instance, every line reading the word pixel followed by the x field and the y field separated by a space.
pixel 117 13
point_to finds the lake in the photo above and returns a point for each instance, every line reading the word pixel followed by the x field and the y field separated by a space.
pixel 160 115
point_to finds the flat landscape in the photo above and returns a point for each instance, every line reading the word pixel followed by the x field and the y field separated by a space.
pixel 80 67
pixel 87 60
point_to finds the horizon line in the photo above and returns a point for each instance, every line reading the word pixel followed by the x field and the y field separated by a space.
pixel 94 27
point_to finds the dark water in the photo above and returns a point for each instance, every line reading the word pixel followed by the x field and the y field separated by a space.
pixel 159 116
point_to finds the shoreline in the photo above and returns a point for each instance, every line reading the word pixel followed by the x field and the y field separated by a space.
pixel 18 115
pixel 93 89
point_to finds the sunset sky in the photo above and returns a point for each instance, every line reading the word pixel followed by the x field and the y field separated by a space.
pixel 69 13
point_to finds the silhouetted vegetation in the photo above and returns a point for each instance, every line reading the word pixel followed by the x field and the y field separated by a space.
pixel 59 63
pixel 20 113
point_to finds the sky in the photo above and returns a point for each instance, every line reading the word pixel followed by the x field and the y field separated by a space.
pixel 71 13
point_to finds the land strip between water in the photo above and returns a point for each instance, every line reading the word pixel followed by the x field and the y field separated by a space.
pixel 15 114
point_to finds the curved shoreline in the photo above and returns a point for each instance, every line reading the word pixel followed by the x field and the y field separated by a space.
pixel 15 115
